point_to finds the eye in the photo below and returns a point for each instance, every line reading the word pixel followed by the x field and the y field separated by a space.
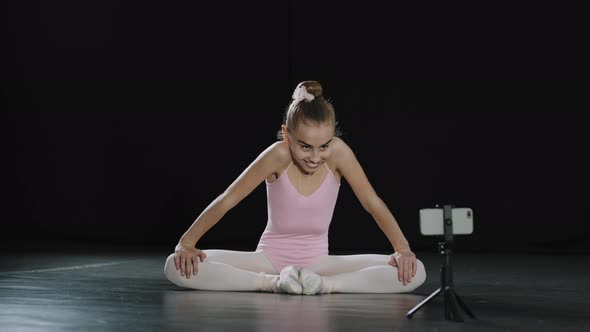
pixel 323 147
pixel 305 147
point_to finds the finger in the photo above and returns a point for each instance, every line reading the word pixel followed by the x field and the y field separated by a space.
pixel 392 261
pixel 400 272
pixel 182 264
pixel 414 267
pixel 189 268
pixel 195 265
pixel 407 270
pixel 176 261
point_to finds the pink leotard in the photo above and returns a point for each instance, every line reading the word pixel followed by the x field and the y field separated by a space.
pixel 297 229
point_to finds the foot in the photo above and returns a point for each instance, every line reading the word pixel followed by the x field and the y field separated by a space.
pixel 310 281
pixel 289 281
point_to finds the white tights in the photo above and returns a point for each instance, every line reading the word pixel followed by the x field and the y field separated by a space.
pixel 228 270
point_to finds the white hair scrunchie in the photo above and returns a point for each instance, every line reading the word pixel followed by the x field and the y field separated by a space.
pixel 301 93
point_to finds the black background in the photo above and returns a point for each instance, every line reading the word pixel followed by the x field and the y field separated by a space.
pixel 123 121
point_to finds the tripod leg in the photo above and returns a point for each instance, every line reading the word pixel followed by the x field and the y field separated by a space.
pixel 421 304
pixel 451 306
pixel 464 306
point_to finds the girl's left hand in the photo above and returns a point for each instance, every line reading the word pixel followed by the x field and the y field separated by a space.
pixel 405 261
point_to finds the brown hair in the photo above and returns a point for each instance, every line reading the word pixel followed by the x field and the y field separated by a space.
pixel 319 110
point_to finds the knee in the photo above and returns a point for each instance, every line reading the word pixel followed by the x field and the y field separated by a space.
pixel 171 272
pixel 420 276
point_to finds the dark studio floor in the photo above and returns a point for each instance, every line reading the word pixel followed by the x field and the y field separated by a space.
pixel 108 290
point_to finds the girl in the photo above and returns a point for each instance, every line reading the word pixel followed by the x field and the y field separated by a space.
pixel 302 172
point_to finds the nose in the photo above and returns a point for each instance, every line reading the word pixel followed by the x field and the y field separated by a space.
pixel 315 157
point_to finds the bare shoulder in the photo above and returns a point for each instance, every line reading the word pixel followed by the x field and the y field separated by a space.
pixel 341 151
pixel 341 155
pixel 278 153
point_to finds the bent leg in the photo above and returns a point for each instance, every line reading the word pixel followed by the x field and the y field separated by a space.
pixel 338 264
pixel 367 273
pixel 250 271
pixel 243 260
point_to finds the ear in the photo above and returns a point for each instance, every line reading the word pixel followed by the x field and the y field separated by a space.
pixel 285 134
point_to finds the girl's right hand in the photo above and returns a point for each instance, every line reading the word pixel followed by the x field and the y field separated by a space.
pixel 186 259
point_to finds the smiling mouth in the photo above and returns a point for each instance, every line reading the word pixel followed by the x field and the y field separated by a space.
pixel 311 164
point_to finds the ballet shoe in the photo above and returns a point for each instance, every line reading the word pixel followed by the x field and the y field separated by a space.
pixel 310 281
pixel 289 281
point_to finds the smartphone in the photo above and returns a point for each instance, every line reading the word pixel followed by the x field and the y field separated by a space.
pixel 432 222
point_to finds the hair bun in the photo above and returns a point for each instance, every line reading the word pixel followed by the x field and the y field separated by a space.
pixel 313 87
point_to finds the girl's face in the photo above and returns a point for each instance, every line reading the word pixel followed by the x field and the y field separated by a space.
pixel 309 144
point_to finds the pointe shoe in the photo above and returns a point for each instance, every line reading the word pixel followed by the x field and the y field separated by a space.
pixel 310 281
pixel 289 281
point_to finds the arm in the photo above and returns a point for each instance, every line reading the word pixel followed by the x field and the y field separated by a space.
pixel 261 168
pixel 352 171
pixel 371 202
pixel 186 255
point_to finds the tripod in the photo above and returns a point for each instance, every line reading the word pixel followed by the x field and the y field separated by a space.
pixel 452 301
